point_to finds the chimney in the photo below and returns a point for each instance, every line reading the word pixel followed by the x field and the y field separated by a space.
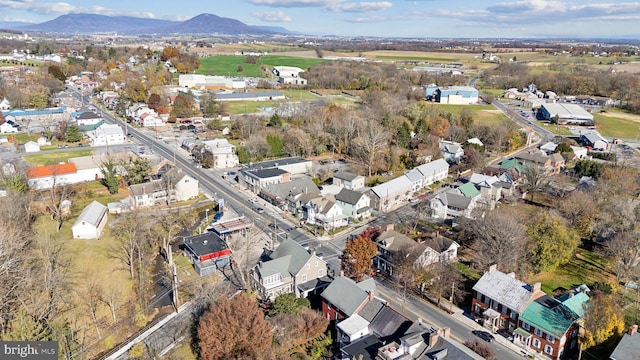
pixel 632 330
pixel 493 266
pixel 390 227
pixel 537 287
pixel 433 339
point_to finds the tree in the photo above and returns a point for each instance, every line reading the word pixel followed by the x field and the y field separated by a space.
pixel 497 237
pixel 371 142
pixel 602 320
pixel 624 251
pixel 293 334
pixel 588 168
pixel 130 233
pixel 137 170
pixel 276 144
pixel 183 106
pixel 579 209
pixel 535 179
pixel 73 133
pixel 110 174
pixel 275 120
pixel 233 329
pixel 288 304
pixel 357 257
pixel 239 68
pixel 551 242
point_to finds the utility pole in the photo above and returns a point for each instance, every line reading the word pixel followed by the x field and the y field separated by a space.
pixel 453 287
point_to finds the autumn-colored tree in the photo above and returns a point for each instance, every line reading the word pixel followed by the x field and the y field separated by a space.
pixel 551 242
pixel 169 52
pixel 154 102
pixel 294 334
pixel 357 257
pixel 602 320
pixel 231 329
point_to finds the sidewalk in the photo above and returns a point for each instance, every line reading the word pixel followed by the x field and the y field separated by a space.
pixel 460 317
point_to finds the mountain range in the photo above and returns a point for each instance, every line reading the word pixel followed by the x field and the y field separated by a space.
pixel 93 23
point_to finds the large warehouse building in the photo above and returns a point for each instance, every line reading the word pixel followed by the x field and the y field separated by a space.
pixel 566 114
pixel 459 95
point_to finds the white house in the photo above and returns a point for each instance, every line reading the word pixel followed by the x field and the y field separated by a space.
pixel 5 105
pixel 91 222
pixel 223 153
pixel 354 204
pixel 186 187
pixel 451 151
pixel 450 204
pixel 45 177
pixel 386 196
pixel 9 127
pixel 348 180
pixel 108 134
pixel 31 146
pixel 326 213
pixel 289 75
pixel 434 171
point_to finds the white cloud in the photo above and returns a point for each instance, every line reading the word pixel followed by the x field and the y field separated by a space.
pixel 331 5
pixel 272 16
pixel 66 8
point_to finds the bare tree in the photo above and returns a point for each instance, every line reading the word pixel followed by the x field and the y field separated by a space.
pixel 129 231
pixel 496 237
pixel 372 141
pixel 535 179
pixel 90 292
pixel 57 194
pixel 242 246
pixel 624 250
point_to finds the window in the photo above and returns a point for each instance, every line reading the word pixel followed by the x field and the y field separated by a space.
pixel 551 339
pixel 536 343
pixel 538 332
pixel 548 349
pixel 316 263
pixel 304 278
pixel 526 326
pixel 320 272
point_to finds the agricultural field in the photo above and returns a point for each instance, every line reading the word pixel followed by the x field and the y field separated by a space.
pixel 482 114
pixel 227 65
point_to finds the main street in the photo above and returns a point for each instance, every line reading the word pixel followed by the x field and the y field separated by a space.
pixel 236 198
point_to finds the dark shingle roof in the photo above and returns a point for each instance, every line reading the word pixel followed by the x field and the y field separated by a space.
pixel 266 173
pixel 347 295
pixel 345 175
pixel 348 196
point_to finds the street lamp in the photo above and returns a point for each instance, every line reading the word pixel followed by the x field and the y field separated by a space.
pixel 206 211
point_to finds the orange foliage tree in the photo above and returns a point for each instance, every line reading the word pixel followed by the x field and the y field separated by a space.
pixel 358 254
pixel 234 329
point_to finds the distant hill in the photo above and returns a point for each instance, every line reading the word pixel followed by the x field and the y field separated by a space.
pixel 92 23
pixel 13 24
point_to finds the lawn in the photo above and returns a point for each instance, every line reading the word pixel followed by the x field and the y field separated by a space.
pixel 55 157
pixel 585 267
pixel 482 114
pixel 618 125
pixel 416 58
pixel 227 65
pixel 248 107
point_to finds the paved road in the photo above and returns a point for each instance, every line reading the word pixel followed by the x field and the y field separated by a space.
pixel 236 198
pixel 416 308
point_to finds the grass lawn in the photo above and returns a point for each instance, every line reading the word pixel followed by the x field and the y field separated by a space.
pixel 182 351
pixel 617 125
pixel 296 95
pixel 558 130
pixel 55 157
pixel 25 138
pixel 585 267
pixel 429 58
pixel 227 65
pixel 482 114
pixel 248 107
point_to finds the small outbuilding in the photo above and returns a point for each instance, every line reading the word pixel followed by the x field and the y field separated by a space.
pixel 91 222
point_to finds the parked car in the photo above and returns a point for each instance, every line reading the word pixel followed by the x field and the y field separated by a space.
pixel 253 200
pixel 484 335
pixel 218 216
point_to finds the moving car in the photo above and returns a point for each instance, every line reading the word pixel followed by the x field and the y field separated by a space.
pixel 259 210
pixel 484 335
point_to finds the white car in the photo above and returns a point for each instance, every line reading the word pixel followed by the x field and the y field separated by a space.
pixel 253 200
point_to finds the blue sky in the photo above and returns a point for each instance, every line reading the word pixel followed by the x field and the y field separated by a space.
pixel 405 18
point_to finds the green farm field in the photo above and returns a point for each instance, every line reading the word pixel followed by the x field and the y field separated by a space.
pixel 227 65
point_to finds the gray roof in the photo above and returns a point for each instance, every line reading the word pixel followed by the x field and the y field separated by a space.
pixel 353 324
pixel 144 188
pixel 414 175
pixel 266 173
pixel 92 214
pixel 628 348
pixel 275 266
pixel 505 289
pixel 347 295
pixel 454 200
pixel 567 111
pixel 392 241
pixel 345 175
pixel 349 196
pixel 295 187
pixel 297 254
pixel 275 163
pixel 370 310
pixel 439 243
pixel 389 322
pixel 391 187
pixel 593 136
pixel 433 166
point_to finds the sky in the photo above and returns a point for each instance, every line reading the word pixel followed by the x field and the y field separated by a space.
pixel 388 18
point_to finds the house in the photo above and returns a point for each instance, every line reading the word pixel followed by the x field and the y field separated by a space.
pixel 292 165
pixel 31 147
pixel 593 140
pixel 256 180
pixel 348 180
pixel 86 117
pixel 325 212
pixel 354 204
pixel 451 151
pixel 416 179
pixel 392 244
pixel 218 154
pixel 629 346
pixel 434 171
pixel 491 187
pixel 108 134
pixel 290 269
pixel 48 176
pixel 500 299
pixel 469 190
pixel 173 186
pixel 580 152
pixel 549 326
pixel 9 127
pixel 5 104
pixel 475 141
pixel 91 222
pixel 386 196
pixel 451 204
pixel 344 297
pixel 207 252
pixel 89 131
pixel 291 195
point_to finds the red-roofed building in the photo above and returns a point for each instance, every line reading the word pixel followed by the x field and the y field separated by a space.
pixel 44 177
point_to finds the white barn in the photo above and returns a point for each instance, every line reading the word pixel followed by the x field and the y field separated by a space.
pixel 91 222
